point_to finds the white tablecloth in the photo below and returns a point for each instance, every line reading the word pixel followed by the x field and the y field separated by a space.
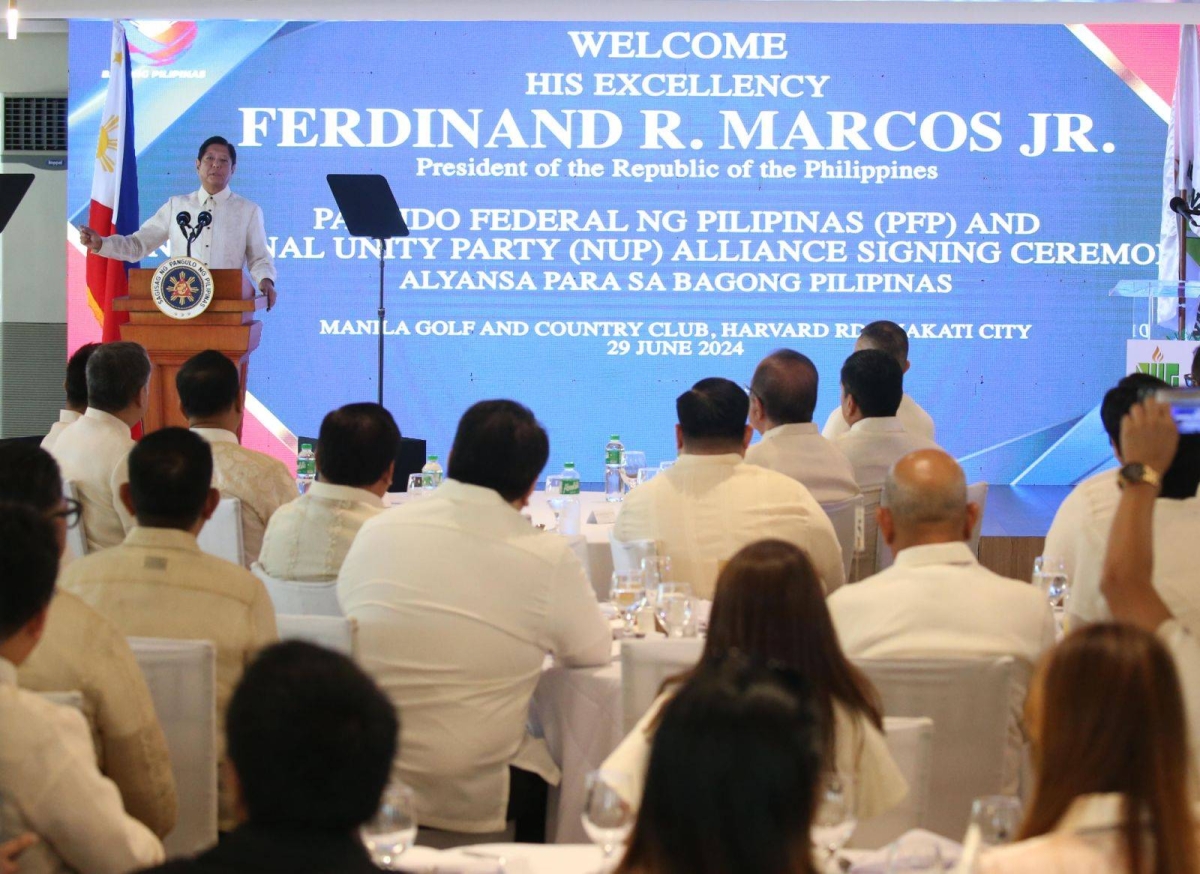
pixel 517 859
pixel 578 711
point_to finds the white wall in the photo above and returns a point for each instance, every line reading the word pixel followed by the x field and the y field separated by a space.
pixel 32 260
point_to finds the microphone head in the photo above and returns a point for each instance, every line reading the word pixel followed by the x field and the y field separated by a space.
pixel 183 219
pixel 1180 207
pixel 204 219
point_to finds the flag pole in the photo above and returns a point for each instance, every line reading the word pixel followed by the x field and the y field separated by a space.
pixel 1183 256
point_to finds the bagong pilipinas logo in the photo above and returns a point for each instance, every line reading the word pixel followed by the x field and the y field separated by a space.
pixel 159 43
pixel 182 288
pixel 1167 372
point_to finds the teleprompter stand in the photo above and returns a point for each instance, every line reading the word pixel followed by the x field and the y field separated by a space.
pixel 369 209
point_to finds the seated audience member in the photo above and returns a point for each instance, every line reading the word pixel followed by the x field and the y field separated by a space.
pixel 1176 518
pixel 872 385
pixel 210 396
pixel 1095 498
pixel 937 600
pixel 766 592
pixel 711 503
pixel 732 782
pixel 1110 758
pixel 81 651
pixel 1149 438
pixel 890 338
pixel 91 452
pixel 158 583
pixel 783 394
pixel 308 539
pixel 458 600
pixel 48 777
pixel 311 741
pixel 76 388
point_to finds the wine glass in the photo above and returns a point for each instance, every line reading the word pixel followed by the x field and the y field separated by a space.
pixel 916 854
pixel 997 817
pixel 393 829
pixel 674 607
pixel 627 593
pixel 554 495
pixel 416 485
pixel 1051 578
pixel 835 819
pixel 607 814
pixel 635 462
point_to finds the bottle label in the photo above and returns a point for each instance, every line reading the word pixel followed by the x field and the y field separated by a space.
pixel 612 456
pixel 570 487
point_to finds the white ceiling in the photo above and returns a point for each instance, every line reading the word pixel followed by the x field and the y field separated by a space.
pixel 973 11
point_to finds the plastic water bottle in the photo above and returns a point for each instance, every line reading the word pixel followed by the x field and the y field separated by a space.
pixel 570 480
pixel 569 517
pixel 306 467
pixel 431 473
pixel 614 458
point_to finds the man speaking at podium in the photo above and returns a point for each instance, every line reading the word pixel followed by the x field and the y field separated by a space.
pixel 234 235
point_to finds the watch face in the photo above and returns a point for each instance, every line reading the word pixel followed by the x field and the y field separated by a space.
pixel 1133 472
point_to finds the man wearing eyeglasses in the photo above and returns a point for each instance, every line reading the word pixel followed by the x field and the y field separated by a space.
pixel 81 651
pixel 235 237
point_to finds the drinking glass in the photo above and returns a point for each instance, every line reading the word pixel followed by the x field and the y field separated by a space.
pixel 554 495
pixel 674 607
pixel 997 817
pixel 666 465
pixel 835 819
pixel 635 462
pixel 1051 578
pixel 646 474
pixel 656 569
pixel 916 854
pixel 393 829
pixel 607 814
pixel 627 593
pixel 416 485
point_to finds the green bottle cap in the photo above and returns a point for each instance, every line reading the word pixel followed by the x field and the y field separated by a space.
pixel 304 446
pixel 615 437
pixel 569 464
pixel 433 458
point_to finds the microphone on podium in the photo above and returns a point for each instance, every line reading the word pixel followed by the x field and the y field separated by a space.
pixel 203 221
pixel 184 220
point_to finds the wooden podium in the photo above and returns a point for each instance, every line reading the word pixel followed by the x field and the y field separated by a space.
pixel 228 325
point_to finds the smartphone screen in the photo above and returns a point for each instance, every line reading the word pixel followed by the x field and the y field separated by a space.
pixel 1185 407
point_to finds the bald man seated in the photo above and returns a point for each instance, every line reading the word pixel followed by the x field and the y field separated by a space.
pixel 937 600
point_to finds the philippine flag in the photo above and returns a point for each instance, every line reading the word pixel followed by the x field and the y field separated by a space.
pixel 114 207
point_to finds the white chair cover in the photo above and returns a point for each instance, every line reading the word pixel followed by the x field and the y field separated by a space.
pixel 222 534
pixel 844 516
pixel 300 599
pixel 338 633
pixel 76 537
pixel 628 556
pixel 869 562
pixel 645 665
pixel 910 741
pixel 968 701
pixel 181 675
pixel 976 494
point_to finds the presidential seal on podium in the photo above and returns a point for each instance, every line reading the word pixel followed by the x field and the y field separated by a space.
pixel 182 288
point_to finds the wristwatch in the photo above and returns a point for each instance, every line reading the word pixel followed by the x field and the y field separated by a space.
pixel 1135 473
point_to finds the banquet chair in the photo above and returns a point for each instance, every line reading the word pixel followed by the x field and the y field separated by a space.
pixel 222 534
pixel 300 599
pixel 910 741
pixel 977 494
pixel 628 556
pixel 845 516
pixel 968 701
pixel 338 633
pixel 868 560
pixel 181 676
pixel 645 665
pixel 76 537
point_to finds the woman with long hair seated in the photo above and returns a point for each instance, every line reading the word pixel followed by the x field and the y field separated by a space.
pixel 769 605
pixel 1110 753
pixel 732 778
